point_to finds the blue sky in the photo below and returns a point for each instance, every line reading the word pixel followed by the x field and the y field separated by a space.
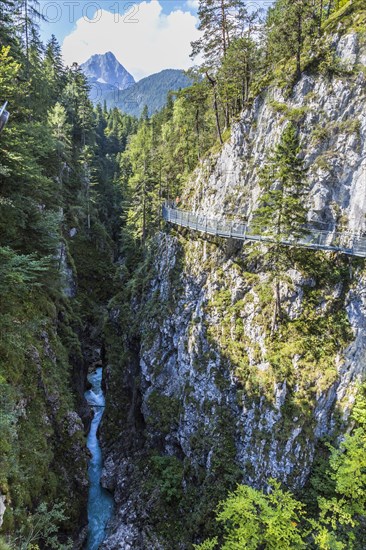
pixel 146 36
pixel 63 14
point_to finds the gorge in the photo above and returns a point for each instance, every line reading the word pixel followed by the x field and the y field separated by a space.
pixel 100 502
pixel 163 388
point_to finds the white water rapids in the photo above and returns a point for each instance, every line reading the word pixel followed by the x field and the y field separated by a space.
pixel 100 501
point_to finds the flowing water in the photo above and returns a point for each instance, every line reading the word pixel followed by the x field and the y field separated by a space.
pixel 100 502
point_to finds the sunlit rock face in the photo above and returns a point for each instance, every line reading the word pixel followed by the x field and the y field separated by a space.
pixel 333 126
pixel 205 350
pixel 106 71
pixel 2 508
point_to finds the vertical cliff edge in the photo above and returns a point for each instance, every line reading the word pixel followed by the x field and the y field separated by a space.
pixel 201 397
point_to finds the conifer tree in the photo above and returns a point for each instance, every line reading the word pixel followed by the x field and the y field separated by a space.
pixel 281 212
pixel 237 71
pixel 142 180
pixel 223 23
pixel 289 24
pixel 53 68
pixel 196 105
pixel 61 130
pixel 27 18
pixel 7 27
pixel 75 98
pixel 220 24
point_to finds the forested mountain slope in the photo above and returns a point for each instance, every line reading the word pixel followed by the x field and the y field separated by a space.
pixel 151 92
pixel 59 210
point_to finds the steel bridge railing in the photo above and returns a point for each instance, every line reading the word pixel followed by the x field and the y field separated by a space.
pixel 315 239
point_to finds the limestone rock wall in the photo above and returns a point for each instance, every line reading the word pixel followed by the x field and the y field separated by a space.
pixel 205 355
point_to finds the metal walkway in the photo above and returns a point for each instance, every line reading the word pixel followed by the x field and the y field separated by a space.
pixel 315 239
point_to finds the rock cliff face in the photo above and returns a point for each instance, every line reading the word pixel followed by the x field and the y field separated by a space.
pixel 106 70
pixel 2 509
pixel 211 387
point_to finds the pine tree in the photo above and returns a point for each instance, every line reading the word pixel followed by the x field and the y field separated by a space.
pixel 289 24
pixel 53 69
pixel 7 27
pixel 75 98
pixel 220 24
pixel 223 23
pixel 237 72
pixel 281 213
pixel 27 19
pixel 197 108
pixel 61 131
pixel 142 180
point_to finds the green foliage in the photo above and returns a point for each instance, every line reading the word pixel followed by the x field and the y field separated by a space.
pixel 297 36
pixel 164 411
pixel 344 512
pixel 289 23
pixel 294 115
pixel 346 15
pixel 209 544
pixel 168 475
pixel 220 22
pixel 323 133
pixel 159 158
pixel 281 212
pixel 4 545
pixel 230 56
pixel 58 170
pixel 42 526
pixel 20 273
pixel 253 519
pixel 235 76
pixel 349 466
pixel 152 91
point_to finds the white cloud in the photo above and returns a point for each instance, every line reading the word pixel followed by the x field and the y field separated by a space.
pixel 193 4
pixel 154 42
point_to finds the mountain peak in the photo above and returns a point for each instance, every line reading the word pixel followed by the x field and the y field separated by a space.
pixel 107 71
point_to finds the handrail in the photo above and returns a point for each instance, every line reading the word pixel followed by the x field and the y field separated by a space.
pixel 314 239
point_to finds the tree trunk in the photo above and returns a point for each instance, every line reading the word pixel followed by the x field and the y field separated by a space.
pixel 223 28
pixel 216 107
pixel 246 85
pixel 196 119
pixel 277 313
pixel 197 126
pixel 144 206
pixel 330 5
pixel 143 238
pixel 227 114
pixel 321 16
pixel 26 35
pixel 299 45
pixel 217 117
